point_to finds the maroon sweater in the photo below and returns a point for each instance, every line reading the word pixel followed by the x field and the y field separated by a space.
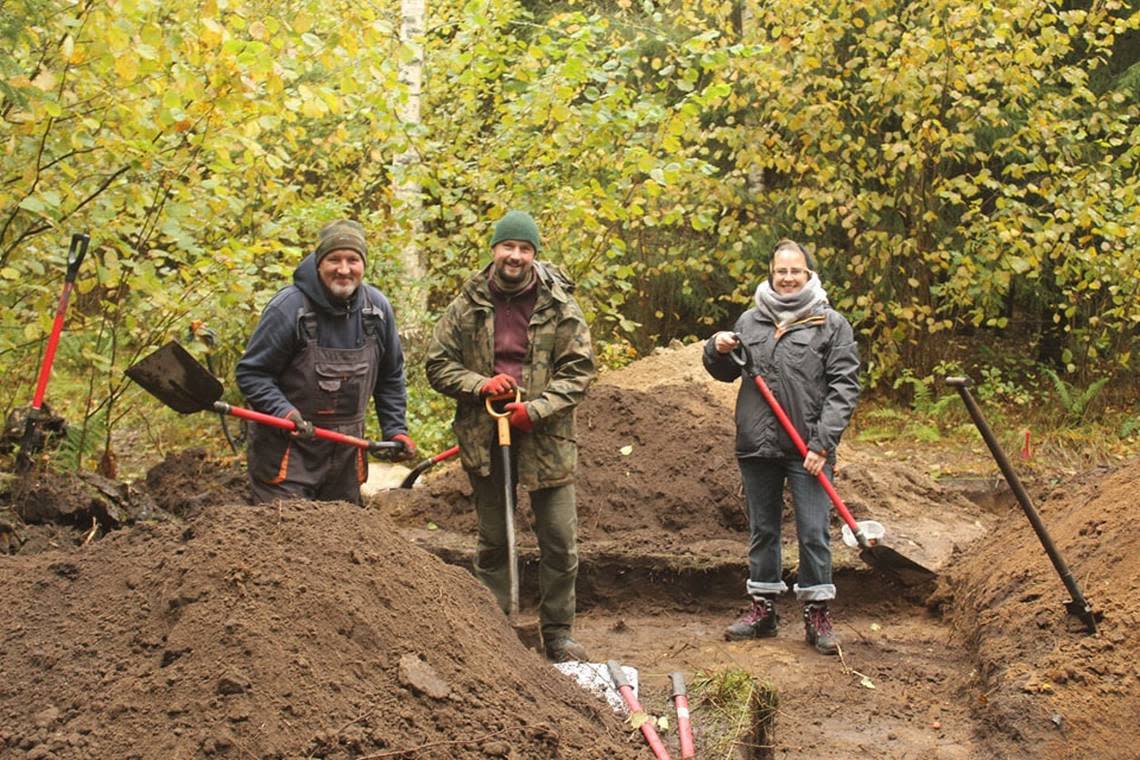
pixel 512 317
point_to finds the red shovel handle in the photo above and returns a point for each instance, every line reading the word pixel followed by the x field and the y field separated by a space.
pixel 75 256
pixel 626 691
pixel 743 360
pixel 284 424
pixel 684 724
pixel 446 454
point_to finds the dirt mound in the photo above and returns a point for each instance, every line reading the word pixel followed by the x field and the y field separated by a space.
pixel 45 510
pixel 188 480
pixel 658 476
pixel 293 630
pixel 655 475
pixel 1047 681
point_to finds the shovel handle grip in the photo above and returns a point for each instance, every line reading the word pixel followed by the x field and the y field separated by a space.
pixel 328 435
pixel 75 254
pixel 743 360
pixel 503 418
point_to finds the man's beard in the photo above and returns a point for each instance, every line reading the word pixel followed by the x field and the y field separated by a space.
pixel 520 275
pixel 343 292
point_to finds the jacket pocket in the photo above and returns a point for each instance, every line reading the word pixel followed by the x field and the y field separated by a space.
pixel 800 359
pixel 555 457
pixel 339 388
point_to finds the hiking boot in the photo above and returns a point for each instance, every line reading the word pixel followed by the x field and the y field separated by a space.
pixel 817 628
pixel 565 649
pixel 758 623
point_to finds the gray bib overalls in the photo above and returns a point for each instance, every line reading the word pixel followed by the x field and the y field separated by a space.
pixel 331 388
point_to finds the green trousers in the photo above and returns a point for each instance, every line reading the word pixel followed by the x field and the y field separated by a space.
pixel 555 525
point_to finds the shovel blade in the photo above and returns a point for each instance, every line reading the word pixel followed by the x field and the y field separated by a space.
pixel 886 559
pixel 172 376
pixel 414 475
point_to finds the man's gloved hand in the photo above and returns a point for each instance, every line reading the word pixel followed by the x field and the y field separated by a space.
pixel 406 453
pixel 304 427
pixel 520 417
pixel 497 385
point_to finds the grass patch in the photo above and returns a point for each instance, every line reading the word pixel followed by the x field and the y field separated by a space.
pixel 737 713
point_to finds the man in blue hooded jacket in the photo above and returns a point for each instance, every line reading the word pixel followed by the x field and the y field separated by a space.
pixel 324 345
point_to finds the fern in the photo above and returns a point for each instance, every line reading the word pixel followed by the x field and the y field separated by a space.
pixel 79 441
pixel 1075 401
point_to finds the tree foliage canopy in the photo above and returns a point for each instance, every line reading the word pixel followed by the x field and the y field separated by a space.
pixel 954 166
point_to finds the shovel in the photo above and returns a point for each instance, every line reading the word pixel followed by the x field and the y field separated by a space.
pixel 1078 606
pixel 419 469
pixel 621 683
pixel 872 552
pixel 680 697
pixel 39 421
pixel 172 375
pixel 503 423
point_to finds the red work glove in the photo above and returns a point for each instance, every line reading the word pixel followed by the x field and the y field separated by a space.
pixel 406 453
pixel 497 385
pixel 520 417
pixel 304 428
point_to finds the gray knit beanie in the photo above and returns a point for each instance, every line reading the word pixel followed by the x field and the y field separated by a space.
pixel 516 225
pixel 343 233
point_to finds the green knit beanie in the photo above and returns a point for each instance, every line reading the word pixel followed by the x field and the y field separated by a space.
pixel 516 225
pixel 343 233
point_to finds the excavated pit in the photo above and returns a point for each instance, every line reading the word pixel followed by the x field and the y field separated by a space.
pixel 304 629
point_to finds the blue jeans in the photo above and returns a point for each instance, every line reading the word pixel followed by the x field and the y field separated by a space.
pixel 764 492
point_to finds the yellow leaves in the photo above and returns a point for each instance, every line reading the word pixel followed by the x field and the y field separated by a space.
pixel 45 81
pixel 212 33
pixel 302 23
pixel 70 53
pixel 127 67
pixel 313 103
pixel 117 38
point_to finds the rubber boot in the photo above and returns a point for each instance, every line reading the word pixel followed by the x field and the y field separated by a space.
pixel 758 623
pixel 565 649
pixel 818 630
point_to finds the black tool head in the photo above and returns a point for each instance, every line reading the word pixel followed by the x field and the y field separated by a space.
pixel 173 376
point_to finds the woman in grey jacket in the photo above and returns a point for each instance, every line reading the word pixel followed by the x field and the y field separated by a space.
pixel 806 353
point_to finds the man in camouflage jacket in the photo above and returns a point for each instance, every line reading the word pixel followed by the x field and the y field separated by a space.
pixel 514 325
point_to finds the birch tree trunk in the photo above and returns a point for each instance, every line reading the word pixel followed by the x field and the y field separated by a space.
pixel 748 33
pixel 407 190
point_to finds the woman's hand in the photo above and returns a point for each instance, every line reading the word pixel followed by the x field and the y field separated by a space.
pixel 724 342
pixel 814 462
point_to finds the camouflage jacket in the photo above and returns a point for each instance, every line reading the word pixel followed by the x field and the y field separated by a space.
pixel 559 366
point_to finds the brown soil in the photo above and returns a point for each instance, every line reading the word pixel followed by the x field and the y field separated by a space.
pixel 1059 692
pixel 321 630
pixel 297 630
pixel 658 478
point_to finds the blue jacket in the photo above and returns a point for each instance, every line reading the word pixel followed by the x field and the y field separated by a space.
pixel 340 324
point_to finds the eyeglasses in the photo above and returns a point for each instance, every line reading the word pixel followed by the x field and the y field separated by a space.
pixel 788 272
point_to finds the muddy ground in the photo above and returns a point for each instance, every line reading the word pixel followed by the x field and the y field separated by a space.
pixel 172 620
